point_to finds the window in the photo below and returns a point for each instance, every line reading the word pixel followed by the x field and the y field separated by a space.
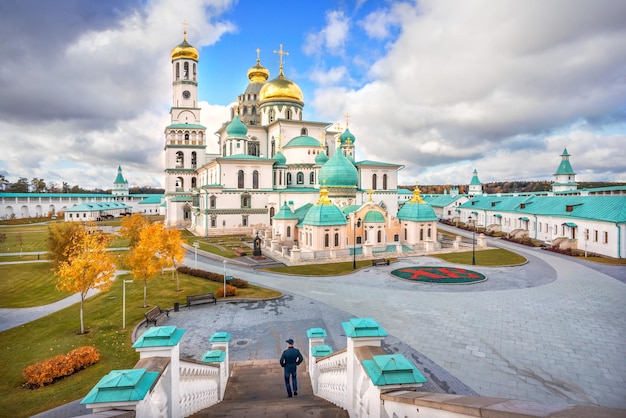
pixel 586 234
pixel 374 186
pixel 336 239
pixel 380 236
pixel 273 148
pixel 212 202
pixel 288 179
pixel 272 213
pixel 186 137
pixel 312 178
pixel 429 234
pixel 255 179
pixel 194 72
pixel 396 238
pixel 304 131
pixel 289 232
pixel 178 71
pixel 358 240
pixel 240 179
pixel 605 237
pixel 421 235
pixel 271 115
pixel 244 221
pixel 213 221
pixel 193 182
pixel 326 241
pixel 405 234
pixel 288 114
pixel 180 159
pixel 194 159
pixel 180 184
pixel 595 236
pixel 384 181
pixel 186 71
pixel 300 177
pixel 245 201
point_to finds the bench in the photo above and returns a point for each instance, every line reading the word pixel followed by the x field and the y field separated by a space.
pixel 240 252
pixel 153 315
pixel 200 299
pixel 380 262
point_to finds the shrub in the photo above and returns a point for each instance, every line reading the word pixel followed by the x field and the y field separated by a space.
pixel 214 277
pixel 49 371
pixel 230 291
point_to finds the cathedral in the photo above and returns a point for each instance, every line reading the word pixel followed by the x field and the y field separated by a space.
pixel 295 180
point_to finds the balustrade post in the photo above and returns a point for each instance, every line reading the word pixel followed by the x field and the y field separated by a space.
pixel 317 348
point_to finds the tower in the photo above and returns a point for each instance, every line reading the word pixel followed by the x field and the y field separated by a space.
pixel 120 185
pixel 475 186
pixel 185 138
pixel 564 178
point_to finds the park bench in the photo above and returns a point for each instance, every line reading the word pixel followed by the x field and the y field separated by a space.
pixel 200 299
pixel 380 262
pixel 240 252
pixel 153 315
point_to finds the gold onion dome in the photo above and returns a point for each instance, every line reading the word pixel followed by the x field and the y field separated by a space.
pixel 281 88
pixel 184 50
pixel 258 73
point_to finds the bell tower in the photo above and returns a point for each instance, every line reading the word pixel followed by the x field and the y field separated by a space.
pixel 185 137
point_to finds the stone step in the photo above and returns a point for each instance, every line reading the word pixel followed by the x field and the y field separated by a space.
pixel 257 389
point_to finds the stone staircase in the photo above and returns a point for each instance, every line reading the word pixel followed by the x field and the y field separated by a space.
pixel 256 388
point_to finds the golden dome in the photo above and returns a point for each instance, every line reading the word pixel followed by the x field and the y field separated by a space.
pixel 280 88
pixel 184 50
pixel 258 73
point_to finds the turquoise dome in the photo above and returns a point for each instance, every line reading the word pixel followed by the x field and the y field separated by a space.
pixel 303 141
pixel 237 129
pixel 285 213
pixel 324 213
pixel 338 171
pixel 279 158
pixel 321 158
pixel 417 210
pixel 374 216
pixel 345 136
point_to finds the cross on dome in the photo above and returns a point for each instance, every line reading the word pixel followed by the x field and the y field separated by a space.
pixel 280 53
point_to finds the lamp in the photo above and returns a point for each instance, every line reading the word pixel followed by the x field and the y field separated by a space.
pixel 473 241
pixel 358 224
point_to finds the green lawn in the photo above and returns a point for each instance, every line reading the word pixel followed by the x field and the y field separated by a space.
pixel 26 285
pixel 491 258
pixel 223 246
pixel 326 269
pixel 57 333
pixel 24 238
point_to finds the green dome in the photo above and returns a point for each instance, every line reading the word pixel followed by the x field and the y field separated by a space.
pixel 324 213
pixel 374 216
pixel 303 141
pixel 237 129
pixel 338 171
pixel 285 213
pixel 280 158
pixel 417 210
pixel 345 136
pixel 321 158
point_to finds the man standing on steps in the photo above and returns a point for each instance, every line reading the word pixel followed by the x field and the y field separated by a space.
pixel 290 360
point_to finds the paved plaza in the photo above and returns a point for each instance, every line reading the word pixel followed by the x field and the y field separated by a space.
pixel 551 330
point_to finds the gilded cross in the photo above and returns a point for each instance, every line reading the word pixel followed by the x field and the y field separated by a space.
pixel 280 52
pixel 370 191
pixel 347 116
pixel 185 26
pixel 258 54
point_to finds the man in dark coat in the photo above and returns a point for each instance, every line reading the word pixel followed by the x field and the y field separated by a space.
pixel 290 360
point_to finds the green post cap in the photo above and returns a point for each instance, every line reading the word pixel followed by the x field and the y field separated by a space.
pixel 214 356
pixel 160 337
pixel 122 386
pixel 392 369
pixel 316 333
pixel 321 350
pixel 363 327
pixel 220 337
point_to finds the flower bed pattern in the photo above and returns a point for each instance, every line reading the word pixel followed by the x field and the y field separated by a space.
pixel 443 275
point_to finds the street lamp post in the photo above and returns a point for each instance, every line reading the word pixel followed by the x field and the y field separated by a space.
pixel 473 241
pixel 358 222
pixel 224 279
pixel 124 302
pixel 196 245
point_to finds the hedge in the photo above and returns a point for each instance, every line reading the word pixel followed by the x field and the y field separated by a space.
pixel 48 371
pixel 214 277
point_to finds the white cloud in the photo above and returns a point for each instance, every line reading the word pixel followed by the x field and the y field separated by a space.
pixel 331 38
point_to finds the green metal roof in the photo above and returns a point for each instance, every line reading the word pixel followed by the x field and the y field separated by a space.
pixel 243 157
pixel 475 181
pixel 303 141
pixel 363 327
pixel 185 126
pixel 119 179
pixel 392 369
pixel 181 199
pixel 152 200
pixel 321 350
pixel 122 386
pixel 316 333
pixel 220 337
pixel 373 216
pixel 214 356
pixel 417 212
pixel 321 158
pixel 565 168
pixel 96 207
pixel 345 136
pixel 324 215
pixel 236 128
pixel 285 213
pixel 441 200
pixel 376 163
pixel 338 171
pixel 160 337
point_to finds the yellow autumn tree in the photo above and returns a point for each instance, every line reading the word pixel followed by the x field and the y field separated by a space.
pixel 143 259
pixel 88 266
pixel 132 226
pixel 172 251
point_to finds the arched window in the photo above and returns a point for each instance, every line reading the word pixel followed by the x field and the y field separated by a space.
pixel 271 115
pixel 405 234
pixel 288 114
pixel 193 182
pixel 304 131
pixel 212 202
pixel 288 231
pixel 326 241
pixel 421 235
pixel 272 213
pixel 186 71
pixel 380 236
pixel 300 177
pixel 240 179
pixel 178 71
pixel 273 148
pixel 180 159
pixel 194 159
pixel 194 72
pixel 312 178
pixel 255 179
pixel 336 239
pixel 384 181
pixel 180 184
pixel 288 179
pixel 374 186
pixel 186 137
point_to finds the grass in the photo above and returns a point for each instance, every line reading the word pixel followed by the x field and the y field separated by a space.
pixel 24 238
pixel 223 245
pixel 327 269
pixel 57 333
pixel 490 258
pixel 27 285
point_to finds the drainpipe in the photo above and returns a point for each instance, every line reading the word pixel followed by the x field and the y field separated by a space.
pixel 619 239
pixel 206 215
pixel 535 226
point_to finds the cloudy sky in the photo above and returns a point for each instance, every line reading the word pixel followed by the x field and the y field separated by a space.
pixel 440 86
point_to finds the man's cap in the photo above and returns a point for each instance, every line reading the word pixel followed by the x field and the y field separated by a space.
pixel 289 341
